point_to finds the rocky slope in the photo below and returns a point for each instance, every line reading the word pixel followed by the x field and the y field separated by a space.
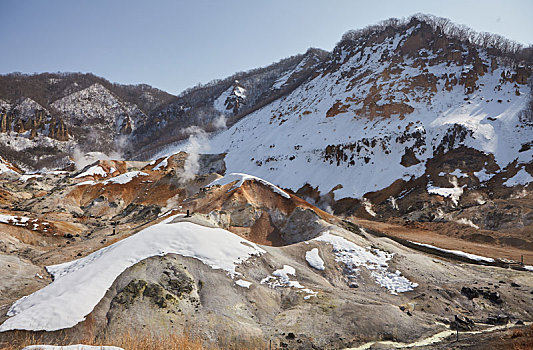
pixel 252 263
pixel 381 109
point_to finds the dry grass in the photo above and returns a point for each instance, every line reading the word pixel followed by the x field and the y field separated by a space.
pixel 522 338
pixel 131 341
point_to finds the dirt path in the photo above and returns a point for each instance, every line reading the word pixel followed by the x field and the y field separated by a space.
pixel 446 242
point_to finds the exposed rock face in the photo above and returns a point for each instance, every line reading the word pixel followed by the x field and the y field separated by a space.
pixel 41 123
pixel 302 225
pixel 409 158
pixel 236 98
pixel 160 291
pixel 173 284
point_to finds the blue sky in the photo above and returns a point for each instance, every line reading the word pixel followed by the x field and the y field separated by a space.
pixel 174 45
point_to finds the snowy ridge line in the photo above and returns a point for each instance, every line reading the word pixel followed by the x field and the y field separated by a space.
pixel 162 164
pixel 241 178
pixel 94 170
pixel 124 178
pixel 79 285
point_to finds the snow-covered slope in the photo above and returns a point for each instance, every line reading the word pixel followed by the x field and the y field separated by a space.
pixel 396 94
pixel 80 284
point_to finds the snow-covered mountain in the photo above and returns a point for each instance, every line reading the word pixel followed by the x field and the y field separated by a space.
pixel 385 102
pixel 108 118
pixel 233 97
pixel 40 135
pixel 383 106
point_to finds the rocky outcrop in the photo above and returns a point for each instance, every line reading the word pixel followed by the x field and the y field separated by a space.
pixel 236 98
pixel 126 127
pixel 41 123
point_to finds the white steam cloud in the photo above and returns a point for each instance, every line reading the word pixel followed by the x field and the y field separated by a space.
pixel 82 159
pixel 220 122
pixel 198 143
pixel 172 203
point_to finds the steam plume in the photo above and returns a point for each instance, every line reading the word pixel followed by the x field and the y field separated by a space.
pixel 198 143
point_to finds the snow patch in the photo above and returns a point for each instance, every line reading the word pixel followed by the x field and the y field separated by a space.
pixel 393 203
pixel 94 170
pixel 468 222
pixel 314 260
pixel 124 178
pixel 522 177
pixel 457 252
pixel 483 176
pixel 14 220
pixel 243 283
pixel 280 278
pixel 5 169
pixel 368 206
pixel 354 257
pixel 162 164
pixel 454 192
pixel 85 183
pixel 25 178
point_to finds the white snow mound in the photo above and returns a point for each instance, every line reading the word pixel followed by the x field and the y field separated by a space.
pixel 80 284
